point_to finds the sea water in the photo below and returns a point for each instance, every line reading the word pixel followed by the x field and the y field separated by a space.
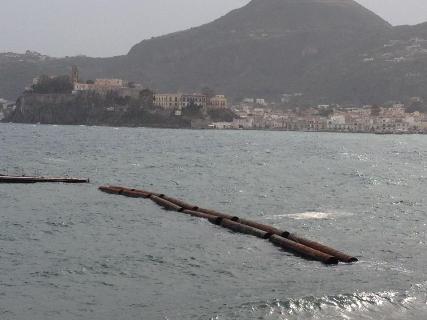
pixel 72 252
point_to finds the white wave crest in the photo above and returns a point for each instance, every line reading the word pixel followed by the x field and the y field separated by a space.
pixel 311 215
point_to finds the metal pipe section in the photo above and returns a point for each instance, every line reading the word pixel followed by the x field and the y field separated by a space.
pixel 180 203
pixel 264 227
pixel 218 214
pixel 109 190
pixel 146 194
pixel 183 204
pixel 131 192
pixel 165 204
pixel 238 227
pixel 320 247
pixel 303 250
pixel 124 192
pixel 200 215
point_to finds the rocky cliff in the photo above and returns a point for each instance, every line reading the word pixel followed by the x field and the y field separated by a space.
pixel 69 109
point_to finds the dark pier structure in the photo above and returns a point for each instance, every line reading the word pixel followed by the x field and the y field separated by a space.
pixel 25 179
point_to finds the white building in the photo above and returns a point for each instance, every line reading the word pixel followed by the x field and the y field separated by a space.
pixel 261 102
pixel 221 125
pixel 243 123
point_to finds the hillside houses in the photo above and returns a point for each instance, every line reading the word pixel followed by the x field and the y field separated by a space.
pixel 393 119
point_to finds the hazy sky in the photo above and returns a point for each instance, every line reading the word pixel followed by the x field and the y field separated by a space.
pixel 106 27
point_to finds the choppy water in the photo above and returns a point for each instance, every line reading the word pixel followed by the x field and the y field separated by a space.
pixel 71 252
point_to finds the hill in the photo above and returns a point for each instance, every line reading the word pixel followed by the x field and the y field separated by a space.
pixel 329 50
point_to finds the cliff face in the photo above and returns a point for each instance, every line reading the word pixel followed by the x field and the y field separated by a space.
pixel 92 109
pixel 47 108
pixel 69 109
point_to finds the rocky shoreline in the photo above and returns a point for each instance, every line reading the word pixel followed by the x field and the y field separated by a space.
pixel 89 109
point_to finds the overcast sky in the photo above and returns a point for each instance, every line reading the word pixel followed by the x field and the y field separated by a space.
pixel 106 28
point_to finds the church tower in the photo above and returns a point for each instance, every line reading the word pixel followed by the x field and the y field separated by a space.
pixel 74 74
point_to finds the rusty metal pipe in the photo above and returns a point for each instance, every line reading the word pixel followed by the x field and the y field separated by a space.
pixel 135 193
pixel 179 205
pixel 124 192
pixel 238 227
pixel 200 214
pixel 264 227
pixel 303 250
pixel 110 190
pixel 132 194
pixel 144 193
pixel 320 247
pixel 165 204
pixel 217 214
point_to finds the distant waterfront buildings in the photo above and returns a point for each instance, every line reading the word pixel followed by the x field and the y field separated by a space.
pixel 173 101
pixel 392 119
pixel 103 86
pixel 256 113
pixel 180 100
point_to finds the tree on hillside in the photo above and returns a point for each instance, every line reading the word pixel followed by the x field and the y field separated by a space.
pixel 416 106
pixel 208 92
pixel 326 112
pixel 146 97
pixel 375 110
pixel 46 85
pixel 222 115
pixel 192 110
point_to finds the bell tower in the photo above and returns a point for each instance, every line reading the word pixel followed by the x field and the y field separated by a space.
pixel 74 74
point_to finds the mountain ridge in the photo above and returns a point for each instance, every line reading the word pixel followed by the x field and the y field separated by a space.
pixel 265 48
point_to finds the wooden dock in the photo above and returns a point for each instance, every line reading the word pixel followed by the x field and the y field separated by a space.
pixel 25 179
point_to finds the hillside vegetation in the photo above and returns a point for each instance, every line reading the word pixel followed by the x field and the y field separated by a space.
pixel 331 51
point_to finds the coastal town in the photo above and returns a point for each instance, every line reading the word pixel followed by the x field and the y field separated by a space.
pixel 249 113
pixel 392 119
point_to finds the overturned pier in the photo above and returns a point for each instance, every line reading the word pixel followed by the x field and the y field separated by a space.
pixel 286 240
pixel 27 179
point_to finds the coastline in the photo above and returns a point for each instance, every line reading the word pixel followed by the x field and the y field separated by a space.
pixel 160 127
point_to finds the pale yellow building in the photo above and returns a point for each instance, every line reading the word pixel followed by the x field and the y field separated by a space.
pixel 218 102
pixel 101 86
pixel 110 83
pixel 168 100
pixel 179 100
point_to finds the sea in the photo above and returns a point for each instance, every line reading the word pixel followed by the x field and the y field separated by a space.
pixel 73 252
